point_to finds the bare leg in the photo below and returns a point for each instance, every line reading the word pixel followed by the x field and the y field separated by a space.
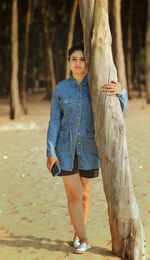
pixel 74 192
pixel 86 184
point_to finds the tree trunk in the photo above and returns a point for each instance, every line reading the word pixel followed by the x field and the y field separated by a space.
pixel 117 44
pixel 25 61
pixel 71 33
pixel 15 109
pixel 50 60
pixel 51 66
pixel 129 50
pixel 147 47
pixel 125 224
pixel 137 71
pixel 137 45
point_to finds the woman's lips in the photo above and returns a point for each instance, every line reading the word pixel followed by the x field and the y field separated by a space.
pixel 77 67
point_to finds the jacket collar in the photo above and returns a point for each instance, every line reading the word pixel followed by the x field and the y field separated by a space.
pixel 74 83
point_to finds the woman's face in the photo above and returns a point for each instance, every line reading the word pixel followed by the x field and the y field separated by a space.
pixel 77 63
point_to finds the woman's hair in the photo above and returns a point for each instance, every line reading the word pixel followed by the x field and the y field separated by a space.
pixel 76 47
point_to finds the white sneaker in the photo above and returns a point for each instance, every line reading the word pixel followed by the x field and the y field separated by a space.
pixel 83 247
pixel 76 242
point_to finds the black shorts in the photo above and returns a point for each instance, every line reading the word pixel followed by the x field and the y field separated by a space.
pixel 83 173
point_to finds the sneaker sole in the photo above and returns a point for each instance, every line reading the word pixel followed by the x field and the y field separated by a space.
pixel 81 252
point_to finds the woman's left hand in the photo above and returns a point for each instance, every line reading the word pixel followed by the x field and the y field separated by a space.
pixel 114 88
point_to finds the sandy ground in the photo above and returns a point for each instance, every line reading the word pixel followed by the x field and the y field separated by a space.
pixel 34 222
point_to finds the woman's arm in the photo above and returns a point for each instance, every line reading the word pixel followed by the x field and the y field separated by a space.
pixel 115 88
pixel 123 99
pixel 54 125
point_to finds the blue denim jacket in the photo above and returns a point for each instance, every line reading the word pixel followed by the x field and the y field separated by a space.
pixel 71 126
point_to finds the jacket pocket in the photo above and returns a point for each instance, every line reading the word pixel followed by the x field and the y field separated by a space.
pixel 66 105
pixel 62 141
pixel 89 143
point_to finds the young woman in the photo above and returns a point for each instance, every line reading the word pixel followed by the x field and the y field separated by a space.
pixel 71 143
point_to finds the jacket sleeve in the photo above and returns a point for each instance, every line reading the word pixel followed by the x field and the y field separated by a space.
pixel 123 100
pixel 54 125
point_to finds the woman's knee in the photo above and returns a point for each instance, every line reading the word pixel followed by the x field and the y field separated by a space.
pixel 74 195
pixel 86 194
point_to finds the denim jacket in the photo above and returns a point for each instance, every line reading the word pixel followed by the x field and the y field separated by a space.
pixel 71 126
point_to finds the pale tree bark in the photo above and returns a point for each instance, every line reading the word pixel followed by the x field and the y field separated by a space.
pixel 129 50
pixel 15 109
pixel 25 61
pixel 48 45
pixel 71 33
pixel 117 43
pixel 147 48
pixel 125 223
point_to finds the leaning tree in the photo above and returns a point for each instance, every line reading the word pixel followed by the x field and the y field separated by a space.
pixel 125 223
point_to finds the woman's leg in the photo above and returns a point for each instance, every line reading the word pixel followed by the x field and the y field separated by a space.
pixel 74 192
pixel 86 184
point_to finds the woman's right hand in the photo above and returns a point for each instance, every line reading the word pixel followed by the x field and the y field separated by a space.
pixel 50 162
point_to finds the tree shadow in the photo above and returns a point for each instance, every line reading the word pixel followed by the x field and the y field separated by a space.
pixel 102 251
pixel 36 242
pixel 48 244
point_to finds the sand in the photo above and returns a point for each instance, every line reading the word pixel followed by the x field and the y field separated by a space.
pixel 34 222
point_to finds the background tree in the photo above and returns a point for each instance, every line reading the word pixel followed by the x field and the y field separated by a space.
pixel 129 50
pixel 117 43
pixel 125 224
pixel 147 47
pixel 57 17
pixel 71 32
pixel 5 47
pixel 25 61
pixel 48 50
pixel 133 14
pixel 15 110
